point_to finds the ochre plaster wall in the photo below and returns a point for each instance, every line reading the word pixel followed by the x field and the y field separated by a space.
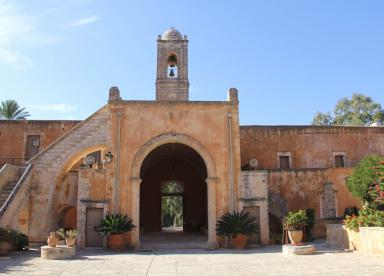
pixel 310 146
pixel 205 122
pixel 13 135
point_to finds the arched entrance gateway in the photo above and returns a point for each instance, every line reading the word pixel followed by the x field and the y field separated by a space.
pixel 174 196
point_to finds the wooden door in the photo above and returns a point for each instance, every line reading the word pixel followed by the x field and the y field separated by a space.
pixel 255 212
pixel 92 238
pixel 32 146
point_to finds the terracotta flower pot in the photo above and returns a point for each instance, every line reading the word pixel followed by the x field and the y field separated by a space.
pixel 127 239
pixel 239 242
pixel 52 239
pixel 61 242
pixel 115 241
pixel 5 247
pixel 70 242
pixel 220 241
pixel 295 236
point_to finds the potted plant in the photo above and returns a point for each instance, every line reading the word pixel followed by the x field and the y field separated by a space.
pixel 60 236
pixel 113 226
pixel 70 237
pixel 237 226
pixel 294 223
pixel 5 241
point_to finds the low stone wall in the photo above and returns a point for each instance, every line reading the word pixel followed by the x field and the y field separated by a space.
pixel 367 239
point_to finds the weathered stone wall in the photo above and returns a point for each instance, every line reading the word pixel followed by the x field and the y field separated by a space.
pixel 13 135
pixel 46 187
pixel 366 239
pixel 253 191
pixel 310 146
pixel 305 188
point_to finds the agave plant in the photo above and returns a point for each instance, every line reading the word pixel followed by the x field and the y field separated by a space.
pixel 115 224
pixel 236 223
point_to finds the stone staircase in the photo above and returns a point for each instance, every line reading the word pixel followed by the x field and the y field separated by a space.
pixel 12 181
pixel 6 191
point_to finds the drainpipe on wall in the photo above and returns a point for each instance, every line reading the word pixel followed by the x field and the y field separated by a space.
pixel 230 165
pixel 116 188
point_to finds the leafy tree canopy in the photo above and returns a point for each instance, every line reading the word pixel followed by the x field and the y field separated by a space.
pixel 10 110
pixel 360 110
pixel 366 181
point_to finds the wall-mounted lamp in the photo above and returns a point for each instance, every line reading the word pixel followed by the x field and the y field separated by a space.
pixel 108 157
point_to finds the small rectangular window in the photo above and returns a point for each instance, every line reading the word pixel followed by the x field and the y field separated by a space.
pixel 284 162
pixel 339 161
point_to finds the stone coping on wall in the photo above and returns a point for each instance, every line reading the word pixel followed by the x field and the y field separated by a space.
pixel 367 239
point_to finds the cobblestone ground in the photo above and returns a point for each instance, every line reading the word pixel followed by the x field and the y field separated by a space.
pixel 261 261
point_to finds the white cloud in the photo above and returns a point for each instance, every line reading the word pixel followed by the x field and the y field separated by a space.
pixel 18 60
pixel 13 28
pixel 61 107
pixel 18 33
pixel 85 21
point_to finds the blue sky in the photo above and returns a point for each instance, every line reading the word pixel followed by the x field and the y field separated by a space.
pixel 288 59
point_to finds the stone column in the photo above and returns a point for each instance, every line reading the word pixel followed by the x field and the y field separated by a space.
pixel 135 212
pixel 211 200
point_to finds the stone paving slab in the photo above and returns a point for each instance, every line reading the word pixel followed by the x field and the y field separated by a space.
pixel 196 262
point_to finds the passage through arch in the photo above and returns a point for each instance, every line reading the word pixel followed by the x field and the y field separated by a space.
pixel 173 192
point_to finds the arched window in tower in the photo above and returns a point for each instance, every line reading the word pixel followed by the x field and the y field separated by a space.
pixel 172 67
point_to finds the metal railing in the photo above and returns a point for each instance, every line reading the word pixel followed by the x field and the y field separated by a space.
pixel 13 160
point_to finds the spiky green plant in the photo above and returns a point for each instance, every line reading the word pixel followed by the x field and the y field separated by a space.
pixel 60 234
pixel 71 234
pixel 10 110
pixel 236 223
pixel 115 224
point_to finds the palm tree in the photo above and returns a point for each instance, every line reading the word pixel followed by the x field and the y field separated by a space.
pixel 10 110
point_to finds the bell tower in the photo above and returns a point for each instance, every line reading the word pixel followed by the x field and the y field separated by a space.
pixel 172 67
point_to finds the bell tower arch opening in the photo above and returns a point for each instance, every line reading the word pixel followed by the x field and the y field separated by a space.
pixel 172 67
pixel 173 195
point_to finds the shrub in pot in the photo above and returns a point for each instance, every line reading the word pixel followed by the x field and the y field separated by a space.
pixel 113 226
pixel 12 240
pixel 237 226
pixel 294 222
pixel 70 237
pixel 60 234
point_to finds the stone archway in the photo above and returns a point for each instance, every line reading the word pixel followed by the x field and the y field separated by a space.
pixel 174 138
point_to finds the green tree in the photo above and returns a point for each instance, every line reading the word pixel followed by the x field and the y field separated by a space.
pixel 364 179
pixel 360 110
pixel 10 110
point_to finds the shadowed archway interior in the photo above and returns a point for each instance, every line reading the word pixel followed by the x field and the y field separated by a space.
pixel 173 162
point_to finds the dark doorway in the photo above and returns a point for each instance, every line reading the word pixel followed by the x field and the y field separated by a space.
pixel 173 175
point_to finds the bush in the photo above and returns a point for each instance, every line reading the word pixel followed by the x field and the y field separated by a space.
pixel 367 217
pixel 236 223
pixel 352 222
pixel 366 182
pixel 349 211
pixel 19 240
pixel 295 220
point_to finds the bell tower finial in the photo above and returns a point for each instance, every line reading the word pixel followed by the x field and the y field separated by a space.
pixel 172 67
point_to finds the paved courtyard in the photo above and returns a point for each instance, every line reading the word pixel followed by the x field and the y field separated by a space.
pixel 196 262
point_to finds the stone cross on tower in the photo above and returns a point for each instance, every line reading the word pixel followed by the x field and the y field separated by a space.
pixel 172 67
